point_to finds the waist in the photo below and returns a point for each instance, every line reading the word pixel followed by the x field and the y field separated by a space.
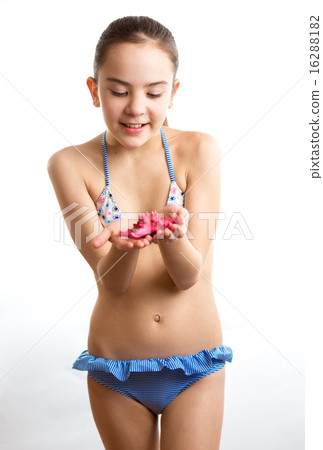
pixel 131 327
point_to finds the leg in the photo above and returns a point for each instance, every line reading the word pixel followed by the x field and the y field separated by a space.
pixel 193 420
pixel 123 423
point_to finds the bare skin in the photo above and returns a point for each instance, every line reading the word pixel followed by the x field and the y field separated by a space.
pixel 155 297
pixel 124 326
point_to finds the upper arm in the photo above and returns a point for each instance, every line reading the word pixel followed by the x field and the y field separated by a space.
pixel 202 197
pixel 77 206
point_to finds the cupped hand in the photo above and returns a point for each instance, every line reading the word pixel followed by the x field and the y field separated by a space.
pixel 111 233
pixel 177 230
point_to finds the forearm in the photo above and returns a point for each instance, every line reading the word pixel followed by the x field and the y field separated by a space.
pixel 183 262
pixel 116 269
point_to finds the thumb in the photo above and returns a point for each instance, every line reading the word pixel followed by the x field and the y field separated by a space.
pixel 102 238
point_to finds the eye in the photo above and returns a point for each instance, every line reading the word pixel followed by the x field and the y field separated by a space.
pixel 122 94
pixel 119 94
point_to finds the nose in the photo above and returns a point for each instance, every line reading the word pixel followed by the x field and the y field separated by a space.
pixel 135 105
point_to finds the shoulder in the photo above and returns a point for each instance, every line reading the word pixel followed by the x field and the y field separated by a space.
pixel 195 147
pixel 60 167
pixel 203 145
pixel 74 156
pixel 63 156
pixel 65 166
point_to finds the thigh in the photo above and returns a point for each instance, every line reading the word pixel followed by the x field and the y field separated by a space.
pixel 193 420
pixel 123 423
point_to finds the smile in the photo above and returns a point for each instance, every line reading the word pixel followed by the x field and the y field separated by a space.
pixel 134 127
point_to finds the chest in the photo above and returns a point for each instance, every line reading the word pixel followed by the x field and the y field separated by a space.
pixel 140 187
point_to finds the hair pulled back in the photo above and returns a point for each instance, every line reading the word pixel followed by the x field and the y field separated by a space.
pixel 137 30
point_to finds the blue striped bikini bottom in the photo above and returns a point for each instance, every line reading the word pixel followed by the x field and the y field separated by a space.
pixel 153 382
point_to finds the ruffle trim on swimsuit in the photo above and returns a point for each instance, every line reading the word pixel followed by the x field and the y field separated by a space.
pixel 190 364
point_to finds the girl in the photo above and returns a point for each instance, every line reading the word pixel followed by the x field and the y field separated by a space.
pixel 155 340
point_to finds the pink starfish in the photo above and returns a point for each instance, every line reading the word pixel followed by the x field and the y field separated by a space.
pixel 148 223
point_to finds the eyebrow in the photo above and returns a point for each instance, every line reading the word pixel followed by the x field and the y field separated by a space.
pixel 125 83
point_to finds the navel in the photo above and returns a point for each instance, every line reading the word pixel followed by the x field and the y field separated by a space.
pixel 157 317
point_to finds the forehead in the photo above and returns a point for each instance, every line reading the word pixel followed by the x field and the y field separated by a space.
pixel 137 62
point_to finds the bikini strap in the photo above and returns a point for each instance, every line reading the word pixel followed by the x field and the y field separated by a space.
pixel 169 162
pixel 105 159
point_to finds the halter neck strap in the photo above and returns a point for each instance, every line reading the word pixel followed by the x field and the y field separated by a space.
pixel 105 157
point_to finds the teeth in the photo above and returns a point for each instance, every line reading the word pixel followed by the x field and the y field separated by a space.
pixel 131 125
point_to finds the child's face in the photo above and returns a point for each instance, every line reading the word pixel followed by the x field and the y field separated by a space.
pixel 134 102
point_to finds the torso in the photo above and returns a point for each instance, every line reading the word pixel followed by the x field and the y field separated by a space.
pixel 153 318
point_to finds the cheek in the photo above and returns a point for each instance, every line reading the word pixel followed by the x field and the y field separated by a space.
pixel 113 106
pixel 161 107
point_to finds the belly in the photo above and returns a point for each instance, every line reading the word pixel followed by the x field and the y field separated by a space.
pixel 154 318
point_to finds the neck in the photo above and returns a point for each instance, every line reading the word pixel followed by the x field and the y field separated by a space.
pixel 150 147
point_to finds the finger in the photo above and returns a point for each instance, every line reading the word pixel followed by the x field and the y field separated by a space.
pixel 163 236
pixel 175 233
pixel 178 233
pixel 179 218
pixel 138 243
pixel 121 244
pixel 184 215
pixel 103 237
pixel 148 239
pixel 170 231
pixel 160 234
pixel 143 242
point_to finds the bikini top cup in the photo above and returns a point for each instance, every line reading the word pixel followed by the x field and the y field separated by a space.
pixel 106 205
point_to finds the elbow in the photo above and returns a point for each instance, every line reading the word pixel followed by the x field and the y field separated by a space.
pixel 114 288
pixel 111 284
pixel 184 285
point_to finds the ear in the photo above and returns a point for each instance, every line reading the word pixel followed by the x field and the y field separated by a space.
pixel 91 84
pixel 176 84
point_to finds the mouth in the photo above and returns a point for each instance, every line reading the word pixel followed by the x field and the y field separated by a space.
pixel 134 125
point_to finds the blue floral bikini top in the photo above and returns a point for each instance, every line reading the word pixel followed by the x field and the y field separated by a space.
pixel 106 205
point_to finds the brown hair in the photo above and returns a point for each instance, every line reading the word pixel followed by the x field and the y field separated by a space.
pixel 138 30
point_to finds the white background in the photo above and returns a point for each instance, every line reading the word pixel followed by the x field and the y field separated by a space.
pixel 244 79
